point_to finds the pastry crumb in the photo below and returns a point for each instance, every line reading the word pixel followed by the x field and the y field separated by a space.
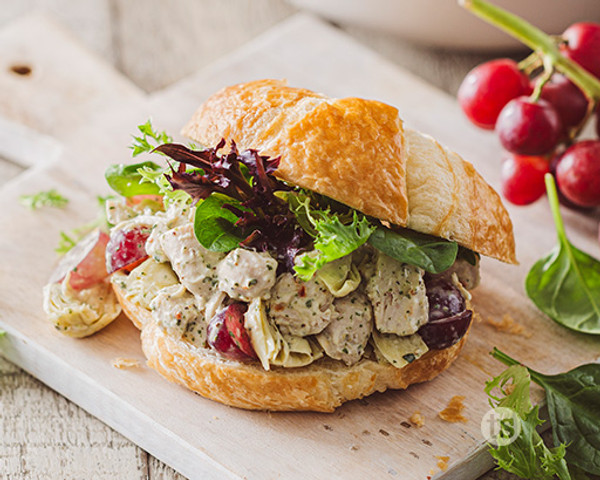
pixel 508 325
pixel 442 462
pixel 122 363
pixel 453 412
pixel 417 419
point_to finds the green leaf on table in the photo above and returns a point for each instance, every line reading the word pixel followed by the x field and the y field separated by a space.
pixel 565 285
pixel 432 254
pixel 520 449
pixel 214 225
pixel 48 198
pixel 573 400
pixel 574 409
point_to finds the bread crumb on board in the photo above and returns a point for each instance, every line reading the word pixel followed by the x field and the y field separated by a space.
pixel 508 325
pixel 122 363
pixel 417 419
pixel 442 462
pixel 453 412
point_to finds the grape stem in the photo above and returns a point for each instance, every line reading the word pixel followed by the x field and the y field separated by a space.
pixel 544 78
pixel 531 63
pixel 538 41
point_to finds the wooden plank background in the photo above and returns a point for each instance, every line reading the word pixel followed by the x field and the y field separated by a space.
pixel 154 43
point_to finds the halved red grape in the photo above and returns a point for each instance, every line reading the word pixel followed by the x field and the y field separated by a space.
pixel 444 333
pixel 85 261
pixel 227 335
pixel 445 299
pixel 127 248
pixel 448 318
pixel 526 127
pixel 522 178
pixel 578 173
pixel 582 45
pixel 488 88
pixel 568 101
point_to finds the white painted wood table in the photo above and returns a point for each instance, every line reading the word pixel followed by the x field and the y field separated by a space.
pixel 154 42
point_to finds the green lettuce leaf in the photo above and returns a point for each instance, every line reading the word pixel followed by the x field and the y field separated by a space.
pixel 126 180
pixel 334 239
pixel 214 225
pixel 142 143
pixel 526 455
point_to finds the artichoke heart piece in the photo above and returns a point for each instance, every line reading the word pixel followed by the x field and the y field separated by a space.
pixel 145 281
pixel 271 347
pixel 297 352
pixel 340 276
pixel 397 350
pixel 79 313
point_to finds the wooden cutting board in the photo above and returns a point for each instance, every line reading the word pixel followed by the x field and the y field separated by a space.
pixel 97 111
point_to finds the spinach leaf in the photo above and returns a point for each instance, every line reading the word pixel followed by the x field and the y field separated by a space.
pixel 432 254
pixel 574 409
pixel 214 225
pixel 565 285
pixel 127 181
pixel 468 256
pixel 519 447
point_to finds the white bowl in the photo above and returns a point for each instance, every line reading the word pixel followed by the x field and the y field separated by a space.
pixel 445 24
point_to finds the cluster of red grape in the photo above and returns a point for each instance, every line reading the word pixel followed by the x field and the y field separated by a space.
pixel 539 118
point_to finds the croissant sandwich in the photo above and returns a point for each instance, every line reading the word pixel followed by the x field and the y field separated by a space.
pixel 304 251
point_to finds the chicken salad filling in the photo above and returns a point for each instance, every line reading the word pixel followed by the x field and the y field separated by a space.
pixel 226 256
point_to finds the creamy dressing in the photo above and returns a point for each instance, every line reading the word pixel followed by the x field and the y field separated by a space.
pixel 246 274
pixel 300 308
pixel 174 308
pixel 195 266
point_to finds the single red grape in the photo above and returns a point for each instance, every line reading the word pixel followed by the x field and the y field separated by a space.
pixel 126 248
pixel 523 178
pixel 526 127
pixel 578 173
pixel 568 101
pixel 488 87
pixel 583 45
